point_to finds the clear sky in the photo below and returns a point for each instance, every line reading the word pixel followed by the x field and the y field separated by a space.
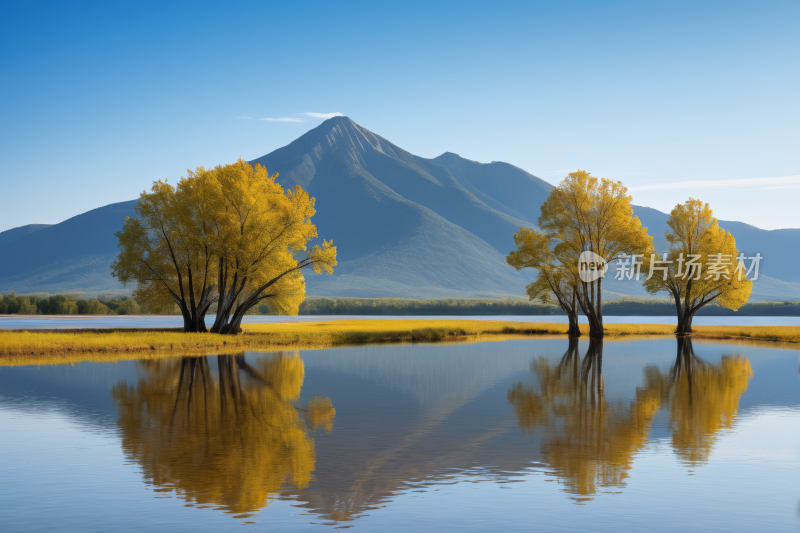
pixel 673 98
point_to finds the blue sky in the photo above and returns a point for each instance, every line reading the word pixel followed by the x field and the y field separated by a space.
pixel 674 99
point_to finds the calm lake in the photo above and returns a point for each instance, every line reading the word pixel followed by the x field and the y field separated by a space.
pixel 515 435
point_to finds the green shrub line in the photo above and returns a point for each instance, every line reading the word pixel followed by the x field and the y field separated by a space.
pixel 520 306
pixel 66 304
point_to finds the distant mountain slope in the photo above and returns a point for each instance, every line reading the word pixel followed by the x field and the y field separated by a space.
pixel 343 164
pixel 15 234
pixel 71 256
pixel 780 248
pixel 500 185
pixel 405 226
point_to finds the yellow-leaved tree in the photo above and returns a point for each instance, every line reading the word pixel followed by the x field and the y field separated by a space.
pixel 702 265
pixel 168 250
pixel 585 213
pixel 262 232
pixel 230 235
pixel 555 274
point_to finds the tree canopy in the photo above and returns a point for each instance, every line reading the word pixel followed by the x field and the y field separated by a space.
pixel 230 235
pixel 702 266
pixel 586 213
pixel 556 275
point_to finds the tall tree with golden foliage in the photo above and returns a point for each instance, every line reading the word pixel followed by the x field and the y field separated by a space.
pixel 261 230
pixel 554 278
pixel 585 213
pixel 230 235
pixel 168 250
pixel 702 266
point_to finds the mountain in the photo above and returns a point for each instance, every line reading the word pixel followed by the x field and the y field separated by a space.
pixel 71 256
pixel 14 234
pixel 405 226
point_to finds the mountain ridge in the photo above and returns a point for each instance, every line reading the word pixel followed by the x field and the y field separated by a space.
pixel 14 234
pixel 405 226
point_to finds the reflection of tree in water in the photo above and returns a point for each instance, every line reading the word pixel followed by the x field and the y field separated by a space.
pixel 595 441
pixel 703 400
pixel 229 442
pixel 591 443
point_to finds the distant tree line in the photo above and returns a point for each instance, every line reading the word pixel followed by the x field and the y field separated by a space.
pixel 513 306
pixel 61 304
pixel 400 306
pixel 658 307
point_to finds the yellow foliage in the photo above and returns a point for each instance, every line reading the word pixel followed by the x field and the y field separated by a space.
pixel 591 443
pixel 588 213
pixel 167 248
pixel 232 442
pixel 260 229
pixel 230 235
pixel 320 413
pixel 596 441
pixel 704 402
pixel 694 233
pixel 555 275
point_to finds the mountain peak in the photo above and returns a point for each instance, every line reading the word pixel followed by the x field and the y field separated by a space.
pixel 338 120
pixel 452 156
pixel 335 136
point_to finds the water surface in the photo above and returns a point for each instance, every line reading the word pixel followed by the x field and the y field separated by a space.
pixel 511 435
pixel 155 321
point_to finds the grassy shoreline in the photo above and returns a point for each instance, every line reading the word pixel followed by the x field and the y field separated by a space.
pixel 53 346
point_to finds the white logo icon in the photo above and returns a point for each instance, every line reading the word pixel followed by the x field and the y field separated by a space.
pixel 591 266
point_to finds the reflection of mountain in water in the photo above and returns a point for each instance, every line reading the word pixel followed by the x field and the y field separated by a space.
pixel 412 418
pixel 407 416
pixel 438 378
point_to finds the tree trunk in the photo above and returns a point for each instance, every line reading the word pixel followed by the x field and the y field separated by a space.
pixel 189 325
pixel 598 312
pixel 595 327
pixel 574 330
pixel 685 313
pixel 595 309
pixel 684 323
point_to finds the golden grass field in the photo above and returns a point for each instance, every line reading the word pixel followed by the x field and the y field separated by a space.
pixel 62 346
